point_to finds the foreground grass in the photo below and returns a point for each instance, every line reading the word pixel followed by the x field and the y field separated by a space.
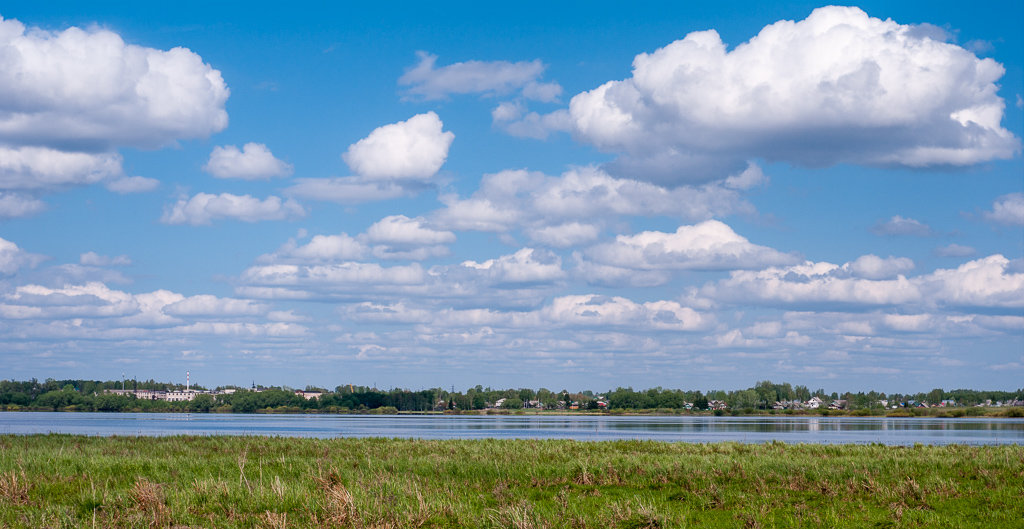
pixel 74 481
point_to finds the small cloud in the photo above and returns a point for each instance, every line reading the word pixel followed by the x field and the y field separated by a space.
pixel 429 82
pixel 414 149
pixel 898 225
pixel 15 205
pixel 94 259
pixel 133 184
pixel 253 162
pixel 954 250
pixel 204 207
pixel 1007 209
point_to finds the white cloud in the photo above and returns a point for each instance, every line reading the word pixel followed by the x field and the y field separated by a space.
pixel 811 284
pixel 709 245
pixel 954 250
pixel 519 198
pixel 414 149
pixel 565 235
pixel 512 117
pixel 898 225
pixel 46 168
pixel 599 311
pixel 207 305
pixel 320 249
pixel 15 205
pixel 403 231
pixel 836 87
pixel 991 281
pixel 95 259
pixel 427 81
pixel 253 162
pixel 527 265
pixel 86 89
pixel 874 267
pixel 1008 209
pixel 617 276
pixel 203 208
pixel 133 184
pixel 13 258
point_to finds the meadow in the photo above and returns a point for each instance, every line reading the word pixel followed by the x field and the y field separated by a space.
pixel 276 482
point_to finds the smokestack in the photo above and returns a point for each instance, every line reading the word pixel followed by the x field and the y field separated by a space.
pixel 186 380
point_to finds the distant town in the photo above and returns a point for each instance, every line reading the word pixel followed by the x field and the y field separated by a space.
pixel 763 397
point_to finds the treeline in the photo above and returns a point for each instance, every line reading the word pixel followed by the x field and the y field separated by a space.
pixel 90 395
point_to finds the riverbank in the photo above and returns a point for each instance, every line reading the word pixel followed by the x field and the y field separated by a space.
pixel 952 412
pixel 74 481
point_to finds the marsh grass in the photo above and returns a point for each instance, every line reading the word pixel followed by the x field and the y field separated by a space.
pixel 261 482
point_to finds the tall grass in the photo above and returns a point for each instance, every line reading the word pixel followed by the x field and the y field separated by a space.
pixel 73 481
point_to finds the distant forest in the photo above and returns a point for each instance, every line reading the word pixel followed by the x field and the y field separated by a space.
pixel 90 395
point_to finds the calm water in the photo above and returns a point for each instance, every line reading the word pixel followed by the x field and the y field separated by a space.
pixel 894 431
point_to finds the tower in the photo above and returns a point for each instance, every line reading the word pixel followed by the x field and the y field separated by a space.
pixel 186 380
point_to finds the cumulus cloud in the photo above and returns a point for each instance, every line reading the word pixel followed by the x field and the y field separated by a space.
pixel 598 311
pixel 837 87
pixel 874 267
pixel 1008 209
pixel 513 118
pixel 45 168
pixel 990 282
pixel 253 162
pixel 15 205
pixel 709 245
pixel 203 208
pixel 554 210
pixel 401 230
pixel 414 149
pixel 13 258
pixel 87 90
pixel 898 225
pixel 427 81
pixel 993 282
pixel 528 265
pixel 811 283
pixel 133 184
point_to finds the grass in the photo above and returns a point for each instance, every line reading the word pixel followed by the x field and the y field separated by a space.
pixel 178 482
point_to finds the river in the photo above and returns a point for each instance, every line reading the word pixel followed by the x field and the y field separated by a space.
pixel 829 430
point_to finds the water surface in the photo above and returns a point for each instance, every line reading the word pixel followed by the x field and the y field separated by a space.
pixel 892 431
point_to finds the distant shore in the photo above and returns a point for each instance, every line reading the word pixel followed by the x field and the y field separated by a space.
pixel 948 413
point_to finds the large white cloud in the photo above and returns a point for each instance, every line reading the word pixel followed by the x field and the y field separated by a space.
pixel 203 208
pixel 527 265
pixel 86 89
pixel 836 87
pixel 599 311
pixel 989 282
pixel 414 149
pixel 427 81
pixel 253 162
pixel 709 245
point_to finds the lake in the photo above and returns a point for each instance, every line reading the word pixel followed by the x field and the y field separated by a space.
pixel 891 431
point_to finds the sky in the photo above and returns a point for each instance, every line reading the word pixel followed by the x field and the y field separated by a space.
pixel 572 196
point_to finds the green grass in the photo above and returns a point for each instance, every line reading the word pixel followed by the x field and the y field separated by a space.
pixel 74 481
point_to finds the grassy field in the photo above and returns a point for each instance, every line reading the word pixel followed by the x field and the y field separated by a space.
pixel 73 481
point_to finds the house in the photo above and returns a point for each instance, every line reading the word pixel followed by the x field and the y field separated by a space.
pixel 815 402
pixel 309 395
pixel 717 405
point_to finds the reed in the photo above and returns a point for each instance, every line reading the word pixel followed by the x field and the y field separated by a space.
pixel 178 482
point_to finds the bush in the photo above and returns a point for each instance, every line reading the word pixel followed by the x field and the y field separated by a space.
pixel 1015 411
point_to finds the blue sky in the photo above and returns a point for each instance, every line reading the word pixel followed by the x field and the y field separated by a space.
pixel 576 196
